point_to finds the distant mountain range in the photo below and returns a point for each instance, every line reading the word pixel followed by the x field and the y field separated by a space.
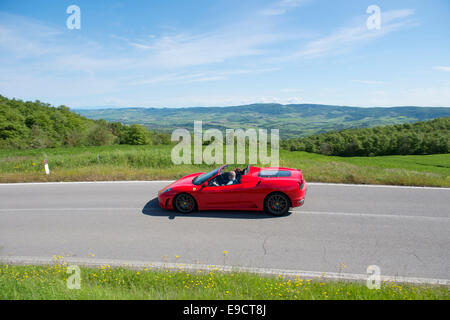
pixel 293 120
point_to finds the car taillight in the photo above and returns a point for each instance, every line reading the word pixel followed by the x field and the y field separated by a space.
pixel 302 183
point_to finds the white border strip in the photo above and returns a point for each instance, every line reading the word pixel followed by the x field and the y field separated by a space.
pixel 299 211
pixel 87 262
pixel 83 182
pixel 370 215
pixel 170 181
pixel 374 186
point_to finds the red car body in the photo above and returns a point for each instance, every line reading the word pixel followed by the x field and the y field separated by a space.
pixel 249 194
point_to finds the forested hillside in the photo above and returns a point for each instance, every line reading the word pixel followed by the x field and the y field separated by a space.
pixel 427 137
pixel 33 125
pixel 293 120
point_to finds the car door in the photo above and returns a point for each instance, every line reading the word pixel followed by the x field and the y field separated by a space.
pixel 252 195
pixel 221 197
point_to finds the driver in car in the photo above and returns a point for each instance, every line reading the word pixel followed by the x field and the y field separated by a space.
pixel 231 179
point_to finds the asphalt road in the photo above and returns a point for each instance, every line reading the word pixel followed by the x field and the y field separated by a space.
pixel 341 228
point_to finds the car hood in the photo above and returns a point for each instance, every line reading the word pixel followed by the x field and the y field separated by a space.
pixel 182 182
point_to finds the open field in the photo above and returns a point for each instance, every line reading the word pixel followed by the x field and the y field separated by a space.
pixel 123 162
pixel 50 282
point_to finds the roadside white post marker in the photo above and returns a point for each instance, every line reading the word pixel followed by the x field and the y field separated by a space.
pixel 47 170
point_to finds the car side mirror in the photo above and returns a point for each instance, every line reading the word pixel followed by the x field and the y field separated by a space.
pixel 205 184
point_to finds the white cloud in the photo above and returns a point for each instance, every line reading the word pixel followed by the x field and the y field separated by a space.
pixel 176 78
pixel 134 44
pixel 369 81
pixel 39 48
pixel 38 58
pixel 197 77
pixel 442 68
pixel 183 50
pixel 56 49
pixel 292 90
pixel 281 7
pixel 420 96
pixel 342 39
pixel 208 100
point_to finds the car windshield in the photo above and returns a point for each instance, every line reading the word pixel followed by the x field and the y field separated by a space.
pixel 204 177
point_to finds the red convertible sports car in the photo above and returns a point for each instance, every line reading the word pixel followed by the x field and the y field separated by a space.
pixel 273 190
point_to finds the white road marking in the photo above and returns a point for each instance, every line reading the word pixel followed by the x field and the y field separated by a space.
pixel 373 215
pixel 81 182
pixel 375 186
pixel 88 262
pixel 345 214
pixel 65 209
pixel 170 181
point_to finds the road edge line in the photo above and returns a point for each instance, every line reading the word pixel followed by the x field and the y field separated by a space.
pixel 170 181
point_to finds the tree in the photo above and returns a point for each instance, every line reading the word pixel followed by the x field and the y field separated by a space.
pixel 134 135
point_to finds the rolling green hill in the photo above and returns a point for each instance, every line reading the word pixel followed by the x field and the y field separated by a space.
pixel 35 125
pixel 38 125
pixel 295 120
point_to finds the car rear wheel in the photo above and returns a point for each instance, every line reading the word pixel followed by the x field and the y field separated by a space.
pixel 184 203
pixel 277 204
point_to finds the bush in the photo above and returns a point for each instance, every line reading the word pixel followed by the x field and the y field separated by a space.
pixel 99 135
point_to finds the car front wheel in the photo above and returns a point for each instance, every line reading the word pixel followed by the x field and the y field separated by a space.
pixel 277 204
pixel 184 203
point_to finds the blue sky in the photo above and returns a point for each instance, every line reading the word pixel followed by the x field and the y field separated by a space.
pixel 218 53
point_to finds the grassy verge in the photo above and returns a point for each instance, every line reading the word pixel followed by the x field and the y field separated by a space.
pixel 154 163
pixel 49 282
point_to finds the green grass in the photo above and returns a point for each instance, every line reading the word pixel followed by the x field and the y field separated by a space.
pixel 122 162
pixel 49 282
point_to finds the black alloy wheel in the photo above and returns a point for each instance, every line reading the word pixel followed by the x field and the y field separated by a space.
pixel 184 203
pixel 277 204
